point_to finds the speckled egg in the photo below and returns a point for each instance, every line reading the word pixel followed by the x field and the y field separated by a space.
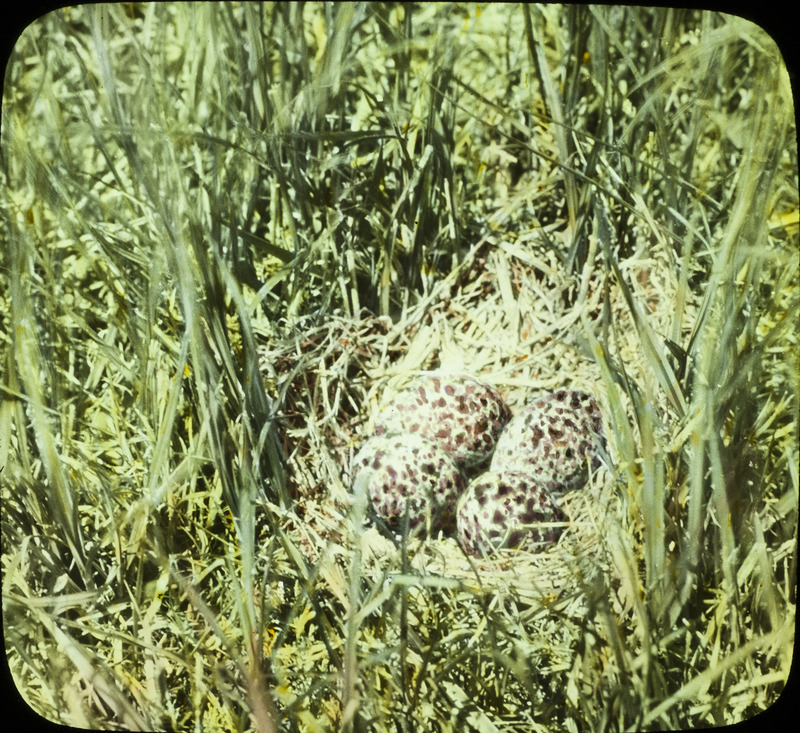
pixel 551 439
pixel 461 414
pixel 504 511
pixel 410 472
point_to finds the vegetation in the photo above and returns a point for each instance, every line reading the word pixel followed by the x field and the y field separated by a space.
pixel 229 229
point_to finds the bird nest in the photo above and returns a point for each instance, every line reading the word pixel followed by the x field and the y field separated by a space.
pixel 502 317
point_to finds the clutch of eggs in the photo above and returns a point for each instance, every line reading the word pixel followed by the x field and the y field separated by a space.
pixel 441 427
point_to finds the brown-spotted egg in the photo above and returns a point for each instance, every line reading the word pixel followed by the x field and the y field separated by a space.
pixel 409 473
pixel 507 511
pixel 461 414
pixel 553 439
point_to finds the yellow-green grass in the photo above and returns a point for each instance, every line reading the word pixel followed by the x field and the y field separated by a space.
pixel 230 230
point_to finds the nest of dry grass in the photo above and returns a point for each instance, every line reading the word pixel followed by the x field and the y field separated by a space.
pixel 504 320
